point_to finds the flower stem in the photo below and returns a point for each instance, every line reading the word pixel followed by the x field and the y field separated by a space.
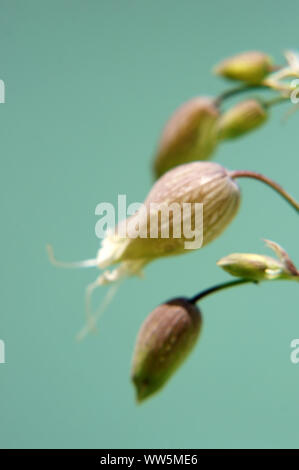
pixel 238 90
pixel 219 287
pixel 276 100
pixel 264 179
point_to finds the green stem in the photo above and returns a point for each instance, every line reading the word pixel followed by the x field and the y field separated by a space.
pixel 274 101
pixel 264 179
pixel 219 287
pixel 237 91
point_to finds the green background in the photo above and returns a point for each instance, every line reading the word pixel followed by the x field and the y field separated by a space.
pixel 89 85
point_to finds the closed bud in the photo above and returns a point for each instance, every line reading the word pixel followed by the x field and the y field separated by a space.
pixel 250 67
pixel 242 118
pixel 259 267
pixel 189 135
pixel 164 341
pixel 251 266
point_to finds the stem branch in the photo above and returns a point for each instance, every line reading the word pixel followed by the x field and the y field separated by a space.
pixel 238 90
pixel 264 179
pixel 219 287
pixel 276 100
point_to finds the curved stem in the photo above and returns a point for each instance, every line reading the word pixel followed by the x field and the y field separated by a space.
pixel 264 179
pixel 238 90
pixel 219 287
pixel 277 100
pixel 275 85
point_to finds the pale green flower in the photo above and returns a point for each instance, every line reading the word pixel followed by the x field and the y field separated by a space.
pixel 250 67
pixel 241 119
pixel 260 267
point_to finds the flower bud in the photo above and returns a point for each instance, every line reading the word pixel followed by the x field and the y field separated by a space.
pixel 259 267
pixel 164 341
pixel 241 118
pixel 251 266
pixel 189 135
pixel 198 182
pixel 250 67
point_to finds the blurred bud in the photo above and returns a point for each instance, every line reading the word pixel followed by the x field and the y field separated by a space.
pixel 164 341
pixel 241 118
pixel 250 67
pixel 251 266
pixel 199 182
pixel 259 267
pixel 292 58
pixel 189 135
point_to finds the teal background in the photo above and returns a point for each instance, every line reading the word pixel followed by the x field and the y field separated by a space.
pixel 89 85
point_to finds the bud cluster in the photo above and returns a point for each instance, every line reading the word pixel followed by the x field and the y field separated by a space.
pixel 196 128
pixel 186 179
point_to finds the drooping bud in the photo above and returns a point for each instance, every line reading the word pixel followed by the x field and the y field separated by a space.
pixel 189 135
pixel 184 187
pixel 242 118
pixel 250 67
pixel 164 341
pixel 186 209
pixel 259 267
